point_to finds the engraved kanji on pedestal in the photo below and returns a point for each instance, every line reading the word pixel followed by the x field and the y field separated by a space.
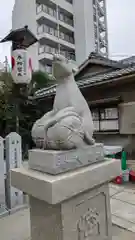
pixel 14 197
pixel 88 225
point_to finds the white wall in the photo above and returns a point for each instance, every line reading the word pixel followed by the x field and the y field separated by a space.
pixel 84 29
pixel 24 13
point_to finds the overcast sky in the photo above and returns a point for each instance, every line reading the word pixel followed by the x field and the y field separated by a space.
pixel 121 21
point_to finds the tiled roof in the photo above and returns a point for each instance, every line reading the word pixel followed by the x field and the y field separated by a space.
pixel 128 61
pixel 95 80
pixel 96 58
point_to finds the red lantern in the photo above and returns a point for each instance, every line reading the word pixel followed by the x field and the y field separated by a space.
pixel 21 66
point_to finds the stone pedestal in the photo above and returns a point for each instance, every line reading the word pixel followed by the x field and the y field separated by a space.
pixel 70 206
pixel 55 162
pixel 14 197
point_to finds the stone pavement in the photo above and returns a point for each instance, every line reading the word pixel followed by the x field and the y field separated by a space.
pixel 121 234
pixel 17 225
pixel 123 206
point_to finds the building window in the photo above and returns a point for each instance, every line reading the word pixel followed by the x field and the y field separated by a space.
pixel 46 9
pixel 41 49
pixel 47 29
pixel 66 37
pixel 68 55
pixel 48 69
pixel 38 8
pixel 105 119
pixel 66 19
pixel 61 17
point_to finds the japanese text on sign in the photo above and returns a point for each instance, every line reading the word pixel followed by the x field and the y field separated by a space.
pixel 21 65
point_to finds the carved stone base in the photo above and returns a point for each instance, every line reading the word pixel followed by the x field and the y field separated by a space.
pixel 70 206
pixel 84 217
pixel 55 162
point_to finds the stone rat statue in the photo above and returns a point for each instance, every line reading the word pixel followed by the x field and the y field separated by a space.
pixel 69 125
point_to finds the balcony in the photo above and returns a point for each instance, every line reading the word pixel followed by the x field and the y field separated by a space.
pixel 68 55
pixel 46 12
pixel 66 37
pixel 66 40
pixel 45 31
pixel 44 8
pixel 50 33
pixel 64 4
pixel 66 21
pixel 47 52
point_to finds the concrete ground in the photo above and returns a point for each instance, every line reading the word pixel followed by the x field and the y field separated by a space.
pixel 121 234
pixel 123 206
pixel 17 227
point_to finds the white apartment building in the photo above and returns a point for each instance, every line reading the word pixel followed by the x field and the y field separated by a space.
pixel 73 28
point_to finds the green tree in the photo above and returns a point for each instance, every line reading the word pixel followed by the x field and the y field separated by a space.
pixel 39 80
pixel 6 107
pixel 12 95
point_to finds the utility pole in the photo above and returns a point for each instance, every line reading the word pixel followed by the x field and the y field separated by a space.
pixel 6 65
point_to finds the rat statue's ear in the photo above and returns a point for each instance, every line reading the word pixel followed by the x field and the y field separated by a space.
pixel 74 70
pixel 58 57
